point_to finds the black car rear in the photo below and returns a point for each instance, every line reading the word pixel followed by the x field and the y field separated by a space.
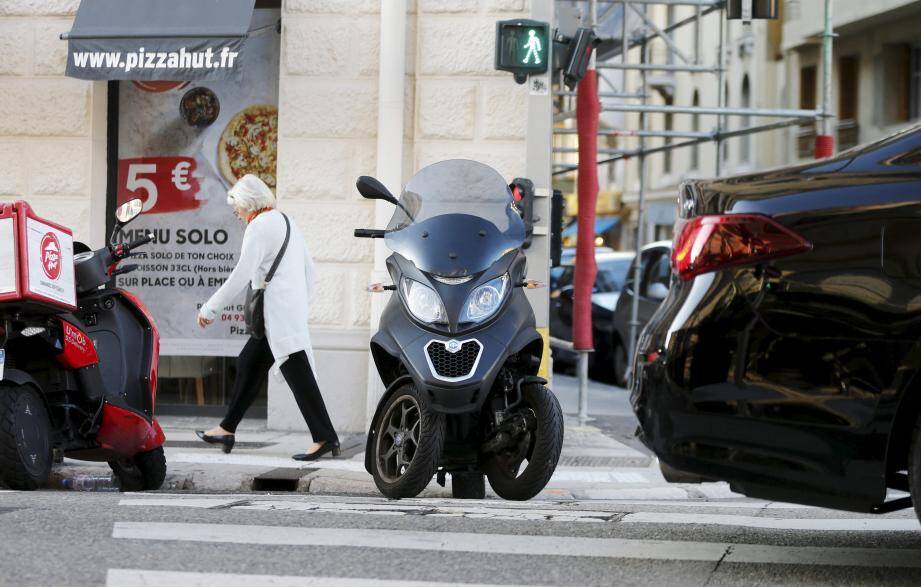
pixel 784 358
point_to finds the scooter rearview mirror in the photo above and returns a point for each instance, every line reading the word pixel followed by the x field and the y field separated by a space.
pixel 372 189
pixel 129 211
pixel 125 214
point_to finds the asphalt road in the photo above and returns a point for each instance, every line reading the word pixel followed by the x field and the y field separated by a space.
pixel 64 538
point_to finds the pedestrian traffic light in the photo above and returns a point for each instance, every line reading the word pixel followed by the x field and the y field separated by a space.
pixel 581 46
pixel 522 47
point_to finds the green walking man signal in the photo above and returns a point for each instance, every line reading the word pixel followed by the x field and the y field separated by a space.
pixel 522 47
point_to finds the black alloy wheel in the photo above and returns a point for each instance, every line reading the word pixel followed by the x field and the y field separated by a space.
pixel 407 445
pixel 521 472
pixel 25 444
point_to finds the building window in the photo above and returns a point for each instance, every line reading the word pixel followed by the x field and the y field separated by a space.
pixel 669 126
pixel 915 82
pixel 670 20
pixel 848 101
pixel 695 126
pixel 745 150
pixel 899 87
pixel 807 101
pixel 724 125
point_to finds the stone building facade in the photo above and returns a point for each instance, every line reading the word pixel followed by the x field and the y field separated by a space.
pixel 53 142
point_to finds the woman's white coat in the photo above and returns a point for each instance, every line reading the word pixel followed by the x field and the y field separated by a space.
pixel 286 296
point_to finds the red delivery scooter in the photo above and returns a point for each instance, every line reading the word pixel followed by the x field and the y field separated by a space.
pixel 78 358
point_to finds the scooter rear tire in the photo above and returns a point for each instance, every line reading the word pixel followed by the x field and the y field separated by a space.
pixel 145 472
pixel 25 445
pixel 413 476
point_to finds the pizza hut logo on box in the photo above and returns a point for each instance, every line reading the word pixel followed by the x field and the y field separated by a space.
pixel 51 256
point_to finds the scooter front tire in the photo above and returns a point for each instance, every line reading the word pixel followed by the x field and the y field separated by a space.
pixel 407 446
pixel 544 451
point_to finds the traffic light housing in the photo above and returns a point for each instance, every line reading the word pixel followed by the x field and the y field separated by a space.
pixel 522 47
pixel 523 192
pixel 579 56
pixel 557 209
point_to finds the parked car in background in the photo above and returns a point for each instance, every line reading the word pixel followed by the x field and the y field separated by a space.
pixel 786 357
pixel 612 344
pixel 568 255
pixel 612 273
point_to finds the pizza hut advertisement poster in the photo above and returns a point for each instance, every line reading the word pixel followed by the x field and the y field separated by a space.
pixel 181 145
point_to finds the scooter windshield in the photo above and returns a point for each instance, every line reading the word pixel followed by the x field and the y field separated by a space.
pixel 455 218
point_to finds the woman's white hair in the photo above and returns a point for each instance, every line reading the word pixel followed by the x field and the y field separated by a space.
pixel 250 193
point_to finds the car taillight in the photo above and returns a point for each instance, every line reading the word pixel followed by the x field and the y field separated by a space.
pixel 709 243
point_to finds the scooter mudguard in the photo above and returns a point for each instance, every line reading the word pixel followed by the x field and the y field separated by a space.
pixel 126 433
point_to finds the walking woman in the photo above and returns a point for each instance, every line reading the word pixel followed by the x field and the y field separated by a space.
pixel 271 241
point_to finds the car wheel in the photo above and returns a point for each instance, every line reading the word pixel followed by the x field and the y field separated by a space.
pixel 25 445
pixel 914 468
pixel 621 364
pixel 407 445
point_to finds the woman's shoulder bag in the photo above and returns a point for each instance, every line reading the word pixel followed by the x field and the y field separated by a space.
pixel 254 310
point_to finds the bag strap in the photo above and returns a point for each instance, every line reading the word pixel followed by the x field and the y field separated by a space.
pixel 281 252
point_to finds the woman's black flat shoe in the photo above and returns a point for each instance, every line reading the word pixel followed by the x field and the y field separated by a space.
pixel 332 447
pixel 225 440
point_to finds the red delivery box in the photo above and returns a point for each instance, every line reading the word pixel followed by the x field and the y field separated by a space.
pixel 36 261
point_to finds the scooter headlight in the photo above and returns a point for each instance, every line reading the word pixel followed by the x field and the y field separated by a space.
pixel 485 300
pixel 423 302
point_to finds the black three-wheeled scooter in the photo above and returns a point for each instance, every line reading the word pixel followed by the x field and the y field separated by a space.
pixel 457 347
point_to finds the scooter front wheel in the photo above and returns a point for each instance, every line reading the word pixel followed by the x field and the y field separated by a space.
pixel 25 446
pixel 538 450
pixel 407 444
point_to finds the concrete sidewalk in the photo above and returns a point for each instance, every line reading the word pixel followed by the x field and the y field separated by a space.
pixel 261 461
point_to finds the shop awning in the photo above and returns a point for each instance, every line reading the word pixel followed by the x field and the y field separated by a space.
pixel 602 225
pixel 158 39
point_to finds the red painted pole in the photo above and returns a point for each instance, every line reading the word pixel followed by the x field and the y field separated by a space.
pixel 588 110
pixel 824 146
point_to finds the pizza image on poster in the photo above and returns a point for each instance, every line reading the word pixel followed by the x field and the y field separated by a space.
pixel 249 144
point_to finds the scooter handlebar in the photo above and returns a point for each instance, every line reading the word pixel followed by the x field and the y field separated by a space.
pixel 140 242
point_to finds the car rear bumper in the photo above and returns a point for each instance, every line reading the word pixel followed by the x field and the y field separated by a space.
pixel 758 457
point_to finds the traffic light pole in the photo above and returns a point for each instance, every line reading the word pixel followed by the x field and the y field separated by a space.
pixel 538 168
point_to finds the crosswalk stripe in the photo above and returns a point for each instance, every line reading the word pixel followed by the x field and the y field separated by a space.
pixel 528 545
pixel 144 578
pixel 823 524
pixel 435 510
pixel 470 510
